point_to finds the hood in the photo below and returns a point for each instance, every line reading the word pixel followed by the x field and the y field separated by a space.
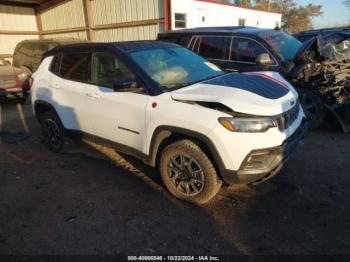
pixel 255 93
pixel 9 71
pixel 303 48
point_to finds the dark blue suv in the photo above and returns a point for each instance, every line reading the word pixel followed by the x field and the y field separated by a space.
pixel 243 49
pixel 239 48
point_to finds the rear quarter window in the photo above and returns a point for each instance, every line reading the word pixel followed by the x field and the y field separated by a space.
pixel 55 65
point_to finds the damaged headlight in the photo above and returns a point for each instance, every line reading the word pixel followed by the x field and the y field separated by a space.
pixel 249 125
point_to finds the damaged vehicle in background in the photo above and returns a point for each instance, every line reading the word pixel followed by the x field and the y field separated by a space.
pixel 307 35
pixel 13 81
pixel 321 79
pixel 322 70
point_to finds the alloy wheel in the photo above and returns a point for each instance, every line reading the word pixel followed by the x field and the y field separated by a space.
pixel 52 132
pixel 186 175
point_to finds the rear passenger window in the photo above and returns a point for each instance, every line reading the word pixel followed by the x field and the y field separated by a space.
pixel 55 65
pixel 214 47
pixel 246 50
pixel 76 66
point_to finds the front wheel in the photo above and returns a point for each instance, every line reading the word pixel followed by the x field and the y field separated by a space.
pixel 188 173
pixel 313 107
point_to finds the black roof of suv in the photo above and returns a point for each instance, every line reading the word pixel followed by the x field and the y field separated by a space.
pixel 221 29
pixel 124 47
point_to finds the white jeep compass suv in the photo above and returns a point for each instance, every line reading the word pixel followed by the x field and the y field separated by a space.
pixel 171 108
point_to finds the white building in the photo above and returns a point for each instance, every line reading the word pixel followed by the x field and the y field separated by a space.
pixel 116 20
pixel 203 13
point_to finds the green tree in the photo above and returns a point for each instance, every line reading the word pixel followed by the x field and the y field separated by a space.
pixel 300 18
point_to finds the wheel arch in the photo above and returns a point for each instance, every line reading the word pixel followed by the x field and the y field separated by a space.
pixel 40 107
pixel 165 135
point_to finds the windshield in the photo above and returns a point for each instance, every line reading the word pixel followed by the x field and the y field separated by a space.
pixel 175 67
pixel 283 44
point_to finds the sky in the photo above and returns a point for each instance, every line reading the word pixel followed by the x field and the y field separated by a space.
pixel 334 12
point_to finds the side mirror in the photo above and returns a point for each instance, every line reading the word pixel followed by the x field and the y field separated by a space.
pixel 125 85
pixel 8 62
pixel 264 59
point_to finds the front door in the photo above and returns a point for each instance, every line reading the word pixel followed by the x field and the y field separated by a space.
pixel 116 115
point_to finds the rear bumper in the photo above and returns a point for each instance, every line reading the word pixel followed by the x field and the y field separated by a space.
pixel 254 173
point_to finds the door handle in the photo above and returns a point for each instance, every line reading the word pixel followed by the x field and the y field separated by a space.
pixel 94 95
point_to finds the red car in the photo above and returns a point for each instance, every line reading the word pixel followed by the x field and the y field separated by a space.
pixel 13 81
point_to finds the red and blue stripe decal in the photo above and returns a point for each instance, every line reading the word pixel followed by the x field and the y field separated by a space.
pixel 269 77
pixel 258 83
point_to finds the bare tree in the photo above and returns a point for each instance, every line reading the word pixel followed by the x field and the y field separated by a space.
pixel 347 3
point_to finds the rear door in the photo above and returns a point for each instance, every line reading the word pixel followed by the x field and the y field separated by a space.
pixel 69 90
pixel 116 115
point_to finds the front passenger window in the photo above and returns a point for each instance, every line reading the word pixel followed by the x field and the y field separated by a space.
pixel 246 50
pixel 107 69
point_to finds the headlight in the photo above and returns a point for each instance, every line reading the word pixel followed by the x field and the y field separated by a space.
pixel 22 76
pixel 250 125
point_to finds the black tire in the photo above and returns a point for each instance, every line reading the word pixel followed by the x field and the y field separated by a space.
pixel 313 107
pixel 181 181
pixel 53 131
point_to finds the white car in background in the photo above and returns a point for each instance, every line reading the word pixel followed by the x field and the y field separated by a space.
pixel 172 109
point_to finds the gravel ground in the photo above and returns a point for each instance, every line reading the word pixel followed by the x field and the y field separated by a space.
pixel 95 201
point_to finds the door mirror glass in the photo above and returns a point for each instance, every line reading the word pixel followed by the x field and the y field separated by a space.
pixel 264 59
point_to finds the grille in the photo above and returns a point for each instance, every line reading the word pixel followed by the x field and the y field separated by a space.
pixel 7 81
pixel 288 118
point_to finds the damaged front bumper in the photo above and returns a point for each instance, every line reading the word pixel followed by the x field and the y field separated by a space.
pixel 263 164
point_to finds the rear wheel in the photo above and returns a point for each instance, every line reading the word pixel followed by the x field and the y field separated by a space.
pixel 313 107
pixel 188 173
pixel 53 131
